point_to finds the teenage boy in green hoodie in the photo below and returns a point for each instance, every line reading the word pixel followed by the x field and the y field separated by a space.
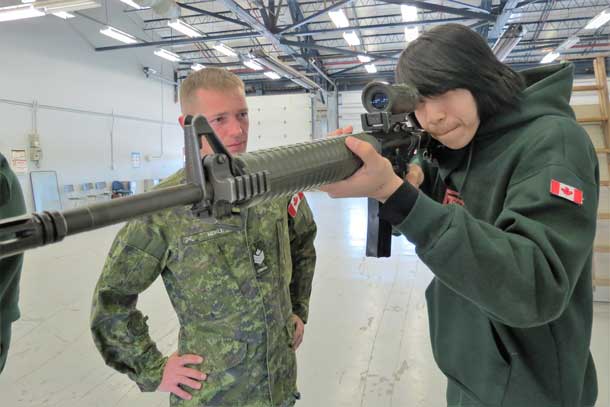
pixel 504 217
pixel 11 204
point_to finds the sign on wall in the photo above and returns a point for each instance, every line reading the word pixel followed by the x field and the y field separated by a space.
pixel 19 161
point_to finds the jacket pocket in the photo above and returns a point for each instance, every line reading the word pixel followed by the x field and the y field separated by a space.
pixel 209 274
pixel 223 354
pixel 223 362
pixel 466 347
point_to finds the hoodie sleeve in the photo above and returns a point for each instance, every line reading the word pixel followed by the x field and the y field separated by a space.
pixel 522 269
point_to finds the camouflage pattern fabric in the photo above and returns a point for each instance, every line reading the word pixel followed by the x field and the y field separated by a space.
pixel 234 290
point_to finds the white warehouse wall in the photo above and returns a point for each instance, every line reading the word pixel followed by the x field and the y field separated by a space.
pixel 89 100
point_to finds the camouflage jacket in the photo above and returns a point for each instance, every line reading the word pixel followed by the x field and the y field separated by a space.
pixel 233 290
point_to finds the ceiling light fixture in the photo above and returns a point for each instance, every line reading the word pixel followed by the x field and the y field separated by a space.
pixel 133 4
pixel 364 58
pixel 222 48
pixel 253 65
pixel 550 57
pixel 165 54
pixel 339 19
pixel 64 14
pixel 118 35
pixel 351 38
pixel 568 43
pixel 184 28
pixel 55 6
pixel 409 13
pixel 599 20
pixel 370 68
pixel 197 67
pixel 19 12
pixel 411 33
pixel 272 75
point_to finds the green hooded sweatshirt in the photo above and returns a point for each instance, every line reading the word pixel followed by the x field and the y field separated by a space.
pixel 11 204
pixel 510 307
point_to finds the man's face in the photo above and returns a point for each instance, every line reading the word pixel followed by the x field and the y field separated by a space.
pixel 227 113
pixel 451 118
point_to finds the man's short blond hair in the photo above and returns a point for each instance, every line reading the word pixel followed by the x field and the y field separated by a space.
pixel 210 79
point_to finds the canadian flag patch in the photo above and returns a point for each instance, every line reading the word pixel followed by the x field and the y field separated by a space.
pixel 566 192
pixel 452 197
pixel 295 201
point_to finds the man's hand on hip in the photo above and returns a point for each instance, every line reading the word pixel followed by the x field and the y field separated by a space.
pixel 175 374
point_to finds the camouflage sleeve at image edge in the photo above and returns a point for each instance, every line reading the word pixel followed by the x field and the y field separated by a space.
pixel 119 330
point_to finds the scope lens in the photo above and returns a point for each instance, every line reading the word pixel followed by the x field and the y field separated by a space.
pixel 379 100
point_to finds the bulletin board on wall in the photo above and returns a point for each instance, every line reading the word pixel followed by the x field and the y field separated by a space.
pixel 45 191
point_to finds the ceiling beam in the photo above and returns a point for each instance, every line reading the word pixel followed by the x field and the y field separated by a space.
pixel 314 16
pixel 509 7
pixel 209 13
pixel 264 31
pixel 478 15
pixel 381 26
pixel 343 51
pixel 181 41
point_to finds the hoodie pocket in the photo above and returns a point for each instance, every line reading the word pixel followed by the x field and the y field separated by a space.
pixel 466 347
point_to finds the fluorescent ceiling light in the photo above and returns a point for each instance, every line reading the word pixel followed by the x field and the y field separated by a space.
pixel 55 6
pixel 339 18
pixel 411 33
pixel 409 13
pixel 228 51
pixel 253 65
pixel 197 67
pixel 63 14
pixel 133 4
pixel 550 57
pixel 184 28
pixel 272 75
pixel 28 1
pixel 370 68
pixel 599 20
pixel 118 35
pixel 569 43
pixel 364 58
pixel 352 38
pixel 19 12
pixel 165 54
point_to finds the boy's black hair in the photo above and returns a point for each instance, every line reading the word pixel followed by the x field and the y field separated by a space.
pixel 452 56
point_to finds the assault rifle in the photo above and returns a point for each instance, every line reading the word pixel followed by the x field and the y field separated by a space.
pixel 220 181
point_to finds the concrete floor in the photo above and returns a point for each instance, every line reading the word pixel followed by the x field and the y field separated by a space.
pixel 367 342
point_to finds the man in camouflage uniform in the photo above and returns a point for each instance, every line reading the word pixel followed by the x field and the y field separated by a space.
pixel 240 290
